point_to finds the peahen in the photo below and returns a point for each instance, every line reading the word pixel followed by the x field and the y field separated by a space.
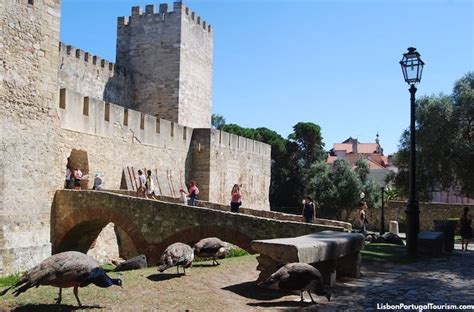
pixel 63 270
pixel 177 254
pixel 211 247
pixel 297 276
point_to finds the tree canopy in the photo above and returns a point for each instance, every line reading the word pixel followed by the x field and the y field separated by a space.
pixel 444 143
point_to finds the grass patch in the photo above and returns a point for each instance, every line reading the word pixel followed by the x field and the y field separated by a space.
pixel 237 252
pixel 9 280
pixel 107 267
pixel 233 253
pixel 379 252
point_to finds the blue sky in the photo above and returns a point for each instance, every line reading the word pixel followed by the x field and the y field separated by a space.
pixel 334 63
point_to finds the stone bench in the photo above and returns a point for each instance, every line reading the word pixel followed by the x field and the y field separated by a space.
pixel 431 243
pixel 329 251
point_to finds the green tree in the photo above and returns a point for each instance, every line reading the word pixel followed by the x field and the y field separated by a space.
pixel 307 136
pixel 217 121
pixel 445 143
pixel 370 188
pixel 463 115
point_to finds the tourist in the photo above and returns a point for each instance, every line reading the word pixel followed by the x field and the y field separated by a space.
pixel 141 184
pixel 97 182
pixel 150 185
pixel 363 216
pixel 236 198
pixel 183 198
pixel 193 192
pixel 309 210
pixel 69 179
pixel 77 177
pixel 465 223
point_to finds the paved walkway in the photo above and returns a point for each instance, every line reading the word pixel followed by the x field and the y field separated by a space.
pixel 446 280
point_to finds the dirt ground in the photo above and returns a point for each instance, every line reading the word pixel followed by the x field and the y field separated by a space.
pixel 228 287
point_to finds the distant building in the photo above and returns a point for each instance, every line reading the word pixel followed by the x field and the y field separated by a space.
pixel 381 165
pixel 351 150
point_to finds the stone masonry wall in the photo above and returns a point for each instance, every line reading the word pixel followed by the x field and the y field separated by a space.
pixel 89 74
pixel 237 160
pixel 195 90
pixel 395 211
pixel 127 138
pixel 170 55
pixel 28 90
pixel 148 45
pixel 215 159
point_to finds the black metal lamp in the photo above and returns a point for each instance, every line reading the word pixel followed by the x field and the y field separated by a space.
pixel 384 190
pixel 412 68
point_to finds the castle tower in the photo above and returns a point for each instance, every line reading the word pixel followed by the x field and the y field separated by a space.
pixel 170 56
pixel 29 34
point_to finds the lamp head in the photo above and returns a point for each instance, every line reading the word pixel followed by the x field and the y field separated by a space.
pixel 412 66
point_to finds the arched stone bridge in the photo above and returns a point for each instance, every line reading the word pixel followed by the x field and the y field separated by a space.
pixel 77 218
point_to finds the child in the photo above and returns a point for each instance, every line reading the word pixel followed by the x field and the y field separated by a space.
pixel 183 197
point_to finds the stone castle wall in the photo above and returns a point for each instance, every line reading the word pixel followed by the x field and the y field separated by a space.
pixel 395 211
pixel 89 74
pixel 195 93
pixel 29 36
pixel 115 137
pixel 170 55
pixel 57 100
pixel 222 159
pixel 238 160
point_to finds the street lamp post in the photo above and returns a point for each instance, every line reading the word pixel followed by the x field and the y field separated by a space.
pixel 412 68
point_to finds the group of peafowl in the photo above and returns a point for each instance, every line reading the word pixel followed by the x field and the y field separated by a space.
pixel 75 269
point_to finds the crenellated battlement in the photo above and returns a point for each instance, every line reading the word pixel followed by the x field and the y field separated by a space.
pixel 78 55
pixel 93 116
pixel 162 15
pixel 238 143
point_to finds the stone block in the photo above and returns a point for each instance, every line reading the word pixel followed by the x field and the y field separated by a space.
pixel 431 243
pixel 330 252
pixel 394 227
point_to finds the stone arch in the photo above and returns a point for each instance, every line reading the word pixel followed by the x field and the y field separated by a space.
pixel 194 234
pixel 80 228
pixel 79 157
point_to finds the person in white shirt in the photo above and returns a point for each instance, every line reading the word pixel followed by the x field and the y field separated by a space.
pixel 141 184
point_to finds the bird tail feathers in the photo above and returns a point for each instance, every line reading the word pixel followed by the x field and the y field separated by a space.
pixel 266 284
pixel 164 267
pixel 3 292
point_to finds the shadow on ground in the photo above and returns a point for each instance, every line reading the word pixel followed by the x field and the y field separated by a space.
pixel 163 276
pixel 203 265
pixel 251 291
pixel 283 304
pixel 53 307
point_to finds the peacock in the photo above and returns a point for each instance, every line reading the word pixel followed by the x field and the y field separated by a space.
pixel 211 247
pixel 64 270
pixel 297 276
pixel 177 254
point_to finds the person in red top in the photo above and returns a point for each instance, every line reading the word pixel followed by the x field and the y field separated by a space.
pixel 236 200
pixel 193 192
